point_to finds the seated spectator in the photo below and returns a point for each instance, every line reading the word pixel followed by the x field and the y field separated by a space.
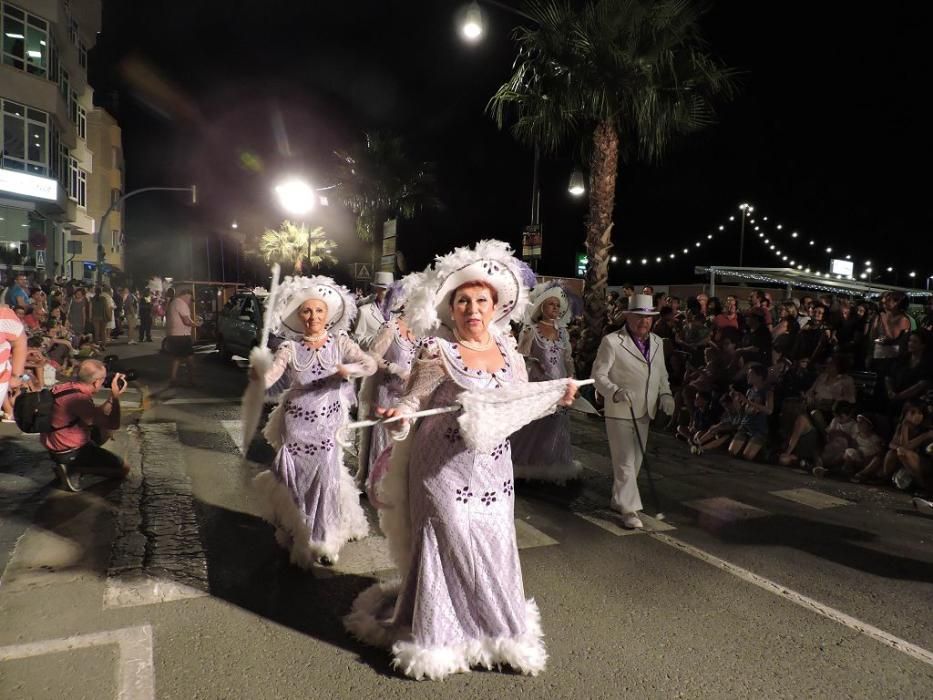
pixel 757 404
pixel 700 417
pixel 906 460
pixel 692 338
pixel 807 439
pixel 787 323
pixel 831 385
pixel 817 338
pixel 912 375
pixel 756 343
pixel 80 427
pixel 868 445
pixel 721 432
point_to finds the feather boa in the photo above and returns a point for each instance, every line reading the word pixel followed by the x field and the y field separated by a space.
pixel 260 360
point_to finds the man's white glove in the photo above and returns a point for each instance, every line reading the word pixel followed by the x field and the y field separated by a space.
pixel 622 395
pixel 667 404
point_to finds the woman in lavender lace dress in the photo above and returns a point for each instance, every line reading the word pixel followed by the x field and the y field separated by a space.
pixel 308 495
pixel 450 510
pixel 541 450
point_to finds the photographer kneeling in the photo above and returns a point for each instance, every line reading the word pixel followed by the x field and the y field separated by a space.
pixel 79 427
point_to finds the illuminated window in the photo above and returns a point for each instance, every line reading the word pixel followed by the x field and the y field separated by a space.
pixel 77 189
pixel 25 41
pixel 25 138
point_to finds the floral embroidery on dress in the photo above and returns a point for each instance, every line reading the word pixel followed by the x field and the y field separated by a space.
pixel 464 494
pixel 507 487
pixel 452 434
pixel 488 498
pixel 499 449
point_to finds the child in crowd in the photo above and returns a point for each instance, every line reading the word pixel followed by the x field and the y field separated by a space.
pixel 840 435
pixel 720 433
pixel 757 404
pixel 867 446
pixel 906 460
pixel 700 417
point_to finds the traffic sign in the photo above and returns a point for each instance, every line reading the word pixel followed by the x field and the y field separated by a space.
pixel 361 271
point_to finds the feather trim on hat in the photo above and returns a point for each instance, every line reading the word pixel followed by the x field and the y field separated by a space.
pixel 490 261
pixel 294 291
pixel 570 304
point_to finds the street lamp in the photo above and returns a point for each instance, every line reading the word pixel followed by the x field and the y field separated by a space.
pixel 472 24
pixel 746 210
pixel 296 196
pixel 577 186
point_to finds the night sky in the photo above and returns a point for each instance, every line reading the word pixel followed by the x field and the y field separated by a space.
pixel 824 136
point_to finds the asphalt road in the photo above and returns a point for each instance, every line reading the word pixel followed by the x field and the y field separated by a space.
pixel 762 582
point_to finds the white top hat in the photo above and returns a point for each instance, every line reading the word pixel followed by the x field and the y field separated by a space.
pixel 641 304
pixel 541 293
pixel 295 291
pixel 492 262
pixel 383 279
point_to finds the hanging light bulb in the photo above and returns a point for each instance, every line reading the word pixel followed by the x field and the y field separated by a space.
pixel 628 261
pixel 722 228
pixel 829 250
pixel 472 25
pixel 812 242
pixel 577 186
pixel 658 259
pixel 644 261
pixel 793 235
pixel 697 244
pixel 780 226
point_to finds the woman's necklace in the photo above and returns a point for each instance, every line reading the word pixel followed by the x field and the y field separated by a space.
pixel 476 345
pixel 316 337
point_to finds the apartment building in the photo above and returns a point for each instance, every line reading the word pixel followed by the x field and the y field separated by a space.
pixel 62 159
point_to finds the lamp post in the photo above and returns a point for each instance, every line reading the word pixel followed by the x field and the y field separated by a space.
pixel 113 205
pixel 746 210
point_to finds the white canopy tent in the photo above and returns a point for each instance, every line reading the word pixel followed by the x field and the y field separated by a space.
pixel 790 278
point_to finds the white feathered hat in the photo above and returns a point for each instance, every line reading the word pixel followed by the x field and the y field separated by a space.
pixel 428 305
pixel 541 293
pixel 295 291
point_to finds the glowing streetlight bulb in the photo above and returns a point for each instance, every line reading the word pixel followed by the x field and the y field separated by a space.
pixel 577 186
pixel 472 26
pixel 731 218
pixel 868 263
pixel 296 196
pixel 849 256
pixel 644 261
pixel 812 242
pixel 672 256
pixel 658 259
pixel 890 269
pixel 913 274
pixel 793 235
pixel 628 261
pixel 614 259
pixel 697 244
pixel 829 250
pixel 780 226
pixel 710 236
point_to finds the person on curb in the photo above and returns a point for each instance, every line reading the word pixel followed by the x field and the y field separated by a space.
pixel 13 353
pixel 178 324
pixel 79 427
pixel 631 376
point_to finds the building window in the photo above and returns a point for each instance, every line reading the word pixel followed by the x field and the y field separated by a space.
pixel 25 138
pixel 82 54
pixel 25 41
pixel 114 240
pixel 77 189
pixel 64 86
pixel 82 123
pixel 54 60
pixel 73 108
pixel 115 195
pixel 73 30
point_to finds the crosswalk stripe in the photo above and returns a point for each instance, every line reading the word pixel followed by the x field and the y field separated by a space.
pixel 234 429
pixel 611 523
pixel 371 554
pixel 809 497
pixel 726 509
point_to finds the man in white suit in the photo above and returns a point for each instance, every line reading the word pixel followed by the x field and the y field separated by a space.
pixel 631 377
pixel 370 317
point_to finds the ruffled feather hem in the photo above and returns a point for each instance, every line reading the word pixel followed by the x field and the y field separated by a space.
pixel 524 653
pixel 277 507
pixel 557 473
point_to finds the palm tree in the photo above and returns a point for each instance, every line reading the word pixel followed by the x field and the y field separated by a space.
pixel 294 243
pixel 379 180
pixel 617 79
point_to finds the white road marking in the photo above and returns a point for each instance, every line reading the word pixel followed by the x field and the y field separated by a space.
pixel 803 601
pixel 726 509
pixel 814 499
pixel 135 673
pixel 234 429
pixel 129 592
pixel 612 523
pixel 371 554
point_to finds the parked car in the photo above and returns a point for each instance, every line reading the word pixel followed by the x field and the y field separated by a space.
pixel 239 325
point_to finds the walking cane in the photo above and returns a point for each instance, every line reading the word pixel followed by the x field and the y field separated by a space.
pixel 644 463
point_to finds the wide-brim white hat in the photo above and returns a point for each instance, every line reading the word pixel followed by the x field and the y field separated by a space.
pixel 382 280
pixel 540 294
pixel 641 304
pixel 491 262
pixel 295 291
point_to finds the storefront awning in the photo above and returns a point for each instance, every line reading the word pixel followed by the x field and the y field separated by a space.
pixel 789 277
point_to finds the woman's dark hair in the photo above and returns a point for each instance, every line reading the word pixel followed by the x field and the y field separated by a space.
pixel 714 306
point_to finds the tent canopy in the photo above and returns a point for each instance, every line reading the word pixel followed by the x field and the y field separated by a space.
pixel 789 277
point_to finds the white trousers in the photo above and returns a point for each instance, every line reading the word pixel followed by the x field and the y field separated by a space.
pixel 626 461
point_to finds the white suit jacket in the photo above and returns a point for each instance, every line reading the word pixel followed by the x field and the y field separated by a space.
pixel 368 323
pixel 620 365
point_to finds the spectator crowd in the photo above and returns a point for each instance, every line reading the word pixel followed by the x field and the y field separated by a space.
pixel 839 386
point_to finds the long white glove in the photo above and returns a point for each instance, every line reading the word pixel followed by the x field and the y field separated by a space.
pixel 667 404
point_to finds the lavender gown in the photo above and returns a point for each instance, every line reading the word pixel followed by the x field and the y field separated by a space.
pixel 308 494
pixel 541 450
pixel 394 354
pixel 451 529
